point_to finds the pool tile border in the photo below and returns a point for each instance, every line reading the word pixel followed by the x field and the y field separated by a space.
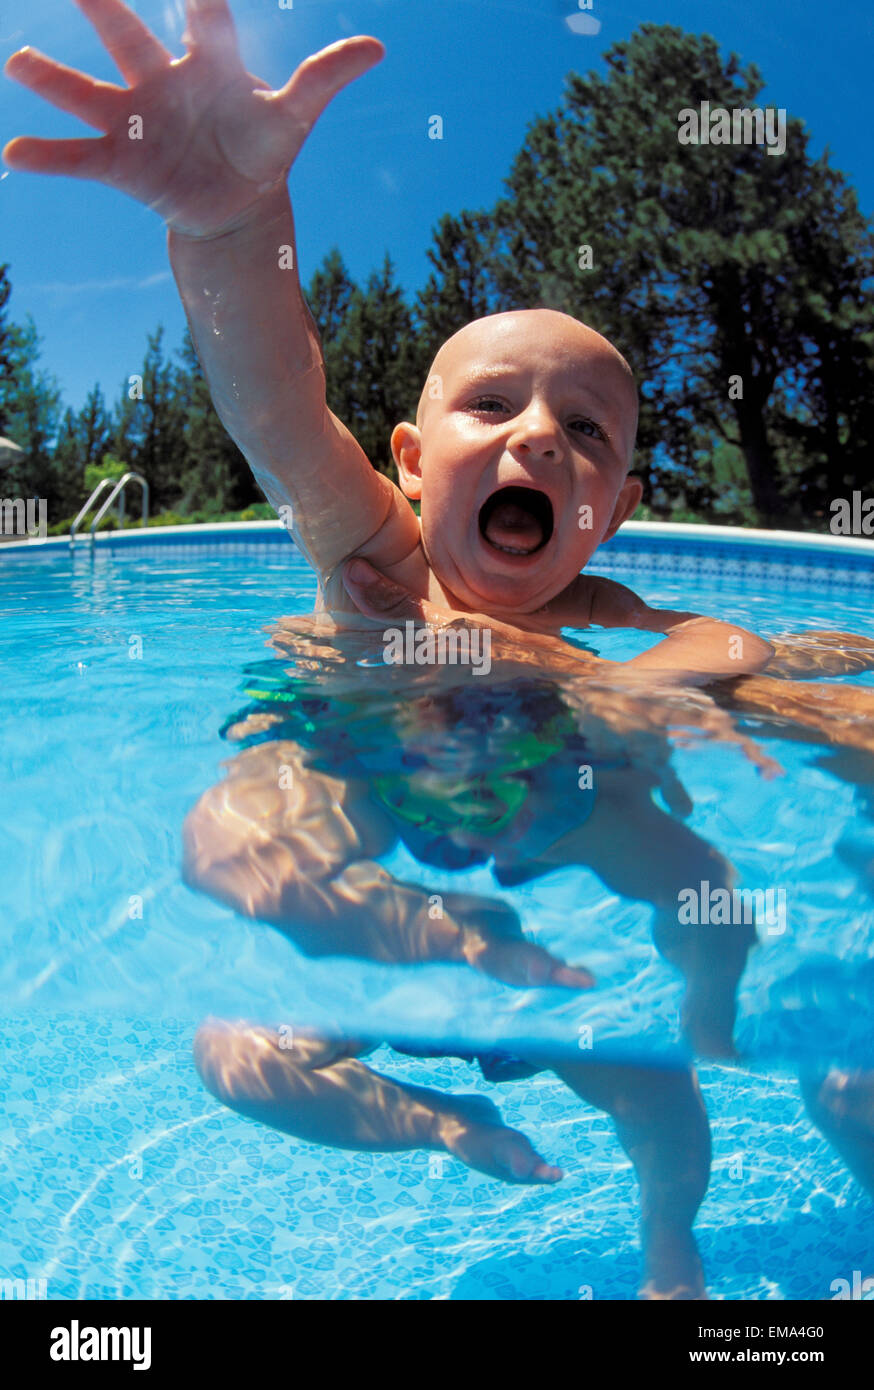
pixel 672 551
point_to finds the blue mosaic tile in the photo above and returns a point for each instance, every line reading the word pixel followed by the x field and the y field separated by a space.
pixel 328 1224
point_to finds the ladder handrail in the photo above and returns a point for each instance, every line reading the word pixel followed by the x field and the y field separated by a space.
pixel 119 488
pixel 104 482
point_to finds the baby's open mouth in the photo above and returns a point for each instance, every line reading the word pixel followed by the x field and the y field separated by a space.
pixel 516 520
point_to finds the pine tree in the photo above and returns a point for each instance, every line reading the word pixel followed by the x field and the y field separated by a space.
pixel 329 297
pixel 83 440
pixel 148 430
pixel 31 408
pixel 6 351
pixel 214 476
pixel 707 263
pixel 462 286
pixel 374 367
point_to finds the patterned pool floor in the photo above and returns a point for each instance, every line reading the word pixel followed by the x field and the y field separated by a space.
pixel 120 1177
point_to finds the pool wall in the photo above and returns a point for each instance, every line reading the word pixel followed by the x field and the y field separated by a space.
pixel 787 558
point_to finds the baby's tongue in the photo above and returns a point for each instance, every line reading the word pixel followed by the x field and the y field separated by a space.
pixel 514 527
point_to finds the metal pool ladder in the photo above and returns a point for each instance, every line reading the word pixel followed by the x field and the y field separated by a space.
pixel 117 491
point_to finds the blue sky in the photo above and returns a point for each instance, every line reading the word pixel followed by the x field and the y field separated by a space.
pixel 90 265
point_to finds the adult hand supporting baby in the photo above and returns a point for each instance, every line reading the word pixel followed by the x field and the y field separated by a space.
pixel 377 596
pixel 383 599
pixel 630 700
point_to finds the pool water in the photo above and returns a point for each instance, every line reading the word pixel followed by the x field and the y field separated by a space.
pixel 121 1176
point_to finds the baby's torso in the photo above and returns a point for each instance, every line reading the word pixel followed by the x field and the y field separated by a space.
pixel 477 768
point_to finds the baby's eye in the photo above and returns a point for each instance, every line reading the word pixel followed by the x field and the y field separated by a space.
pixel 488 404
pixel 589 428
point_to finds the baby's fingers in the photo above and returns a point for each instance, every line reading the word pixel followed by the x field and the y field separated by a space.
pixel 767 766
pixel 726 733
pixel 210 26
pixel 83 96
pixel 80 159
pixel 135 50
pixel 318 80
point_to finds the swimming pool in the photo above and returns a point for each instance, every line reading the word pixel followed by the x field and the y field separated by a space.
pixel 122 1177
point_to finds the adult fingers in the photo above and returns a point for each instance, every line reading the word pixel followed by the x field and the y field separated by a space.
pixel 378 597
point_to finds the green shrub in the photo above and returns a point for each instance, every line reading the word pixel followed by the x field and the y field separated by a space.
pixel 259 511
pixel 109 467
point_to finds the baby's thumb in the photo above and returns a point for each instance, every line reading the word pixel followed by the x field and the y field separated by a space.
pixel 319 78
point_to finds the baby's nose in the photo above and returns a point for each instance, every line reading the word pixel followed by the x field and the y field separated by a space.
pixel 538 436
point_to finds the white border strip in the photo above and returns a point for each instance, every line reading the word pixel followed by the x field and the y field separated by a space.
pixel 743 534
pixel 673 530
pixel 140 533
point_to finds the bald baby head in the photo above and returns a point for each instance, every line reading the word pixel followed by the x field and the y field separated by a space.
pixel 584 352
pixel 519 457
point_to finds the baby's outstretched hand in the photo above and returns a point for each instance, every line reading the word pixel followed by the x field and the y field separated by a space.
pixel 198 139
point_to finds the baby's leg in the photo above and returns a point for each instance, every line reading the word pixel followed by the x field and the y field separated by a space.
pixel 820 654
pixel 282 842
pixel 662 1125
pixel 642 853
pixel 841 1104
pixel 316 1089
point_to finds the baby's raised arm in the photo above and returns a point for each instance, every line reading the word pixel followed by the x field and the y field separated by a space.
pixel 208 147
pixel 260 351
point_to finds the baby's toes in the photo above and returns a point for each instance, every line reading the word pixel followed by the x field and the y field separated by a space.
pixel 501 1153
pixel 521 1162
pixel 523 964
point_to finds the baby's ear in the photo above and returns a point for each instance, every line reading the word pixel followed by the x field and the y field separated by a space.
pixel 626 505
pixel 406 450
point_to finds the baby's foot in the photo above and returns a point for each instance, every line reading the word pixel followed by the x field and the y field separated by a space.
pixel 841 1104
pixel 673 1267
pixel 492 941
pixel 520 962
pixel 474 1132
